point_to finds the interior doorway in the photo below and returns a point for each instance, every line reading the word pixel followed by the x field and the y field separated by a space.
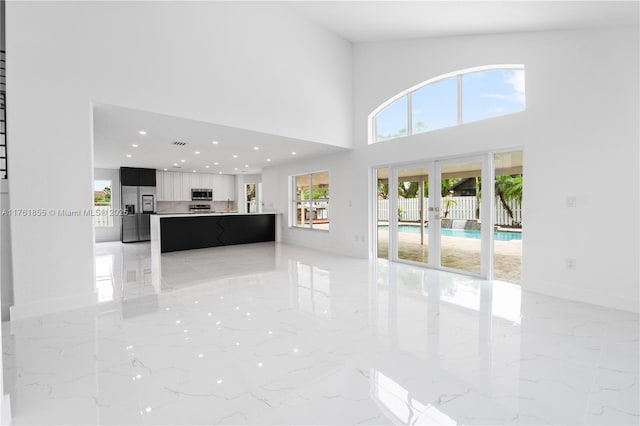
pixel 251 192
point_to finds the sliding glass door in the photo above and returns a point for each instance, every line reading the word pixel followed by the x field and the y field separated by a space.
pixel 461 217
pixel 412 206
pixel 436 216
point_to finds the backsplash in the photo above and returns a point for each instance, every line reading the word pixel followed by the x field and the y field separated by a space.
pixel 183 206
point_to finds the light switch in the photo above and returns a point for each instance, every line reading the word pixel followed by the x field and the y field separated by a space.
pixel 571 200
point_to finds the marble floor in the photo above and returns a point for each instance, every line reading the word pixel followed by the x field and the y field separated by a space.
pixel 276 334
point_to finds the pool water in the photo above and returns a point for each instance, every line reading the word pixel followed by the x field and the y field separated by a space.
pixel 462 233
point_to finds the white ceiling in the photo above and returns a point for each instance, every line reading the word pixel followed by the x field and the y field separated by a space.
pixel 117 129
pixel 366 21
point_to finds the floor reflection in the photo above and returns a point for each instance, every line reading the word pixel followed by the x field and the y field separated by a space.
pixel 130 271
pixel 401 407
pixel 277 334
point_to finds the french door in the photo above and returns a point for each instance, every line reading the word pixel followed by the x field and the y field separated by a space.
pixel 437 217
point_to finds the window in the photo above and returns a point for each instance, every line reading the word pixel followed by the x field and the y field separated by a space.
pixel 310 201
pixel 449 100
pixel 103 217
pixel 314 289
pixel 488 94
pixel 391 122
pixel 435 106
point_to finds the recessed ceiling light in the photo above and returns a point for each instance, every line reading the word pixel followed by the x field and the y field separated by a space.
pixel 129 155
pixel 293 153
pixel 235 168
pixel 219 173
pixel 194 171
pixel 142 132
pixel 246 165
pixel 235 155
pixel 175 164
pixel 206 167
pixel 135 145
pixel 166 170
pixel 182 161
pixel 197 152
pixel 268 160
pixel 256 148
pixel 216 163
pixel 215 142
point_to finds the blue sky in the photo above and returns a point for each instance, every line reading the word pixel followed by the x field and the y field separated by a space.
pixel 486 94
pixel 99 185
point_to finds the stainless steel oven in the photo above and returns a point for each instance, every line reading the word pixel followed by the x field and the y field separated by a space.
pixel 200 208
pixel 201 194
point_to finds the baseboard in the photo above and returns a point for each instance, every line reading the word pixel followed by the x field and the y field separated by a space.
pixel 49 306
pixel 584 295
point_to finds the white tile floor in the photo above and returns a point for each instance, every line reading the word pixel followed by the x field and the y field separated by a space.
pixel 275 334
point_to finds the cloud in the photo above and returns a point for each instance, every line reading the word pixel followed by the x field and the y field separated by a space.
pixel 516 80
pixel 496 96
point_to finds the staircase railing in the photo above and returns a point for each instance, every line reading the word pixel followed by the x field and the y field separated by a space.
pixel 3 116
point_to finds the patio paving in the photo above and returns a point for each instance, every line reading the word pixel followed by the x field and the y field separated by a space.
pixel 460 253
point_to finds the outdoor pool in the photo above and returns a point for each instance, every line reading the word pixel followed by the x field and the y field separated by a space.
pixel 462 233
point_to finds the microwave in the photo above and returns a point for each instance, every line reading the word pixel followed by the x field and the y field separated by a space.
pixel 201 194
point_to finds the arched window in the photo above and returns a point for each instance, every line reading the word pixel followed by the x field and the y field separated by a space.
pixel 449 100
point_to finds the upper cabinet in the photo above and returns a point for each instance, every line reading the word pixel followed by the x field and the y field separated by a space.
pixel 224 187
pixel 176 186
pixel 133 176
pixel 229 184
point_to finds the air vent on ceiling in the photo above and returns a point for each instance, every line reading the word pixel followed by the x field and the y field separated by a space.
pixel 179 143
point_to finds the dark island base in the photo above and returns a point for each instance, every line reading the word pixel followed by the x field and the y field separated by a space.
pixel 185 233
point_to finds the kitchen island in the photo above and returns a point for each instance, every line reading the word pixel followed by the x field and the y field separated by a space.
pixel 173 232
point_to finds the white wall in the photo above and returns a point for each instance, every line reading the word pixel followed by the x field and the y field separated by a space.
pixel 110 234
pixel 579 134
pixel 252 65
pixel 241 181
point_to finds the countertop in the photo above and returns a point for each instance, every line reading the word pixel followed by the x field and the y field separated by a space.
pixel 163 215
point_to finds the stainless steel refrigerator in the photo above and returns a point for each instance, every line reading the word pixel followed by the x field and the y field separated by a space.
pixel 140 203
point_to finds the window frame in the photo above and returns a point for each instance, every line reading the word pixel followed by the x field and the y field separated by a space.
pixel 294 201
pixel 109 216
pixel 372 119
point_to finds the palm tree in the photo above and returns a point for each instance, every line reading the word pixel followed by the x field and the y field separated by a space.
pixel 408 189
pixel 509 188
pixel 447 203
pixel 383 190
pixel 446 185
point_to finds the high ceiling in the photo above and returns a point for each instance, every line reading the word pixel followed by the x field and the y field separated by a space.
pixel 116 129
pixel 367 21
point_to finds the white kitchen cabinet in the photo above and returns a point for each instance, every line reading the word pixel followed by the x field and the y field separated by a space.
pixel 224 187
pixel 231 187
pixel 176 186
pixel 195 181
pixel 216 184
pixel 167 186
pixel 206 181
pixel 159 185
pixel 185 185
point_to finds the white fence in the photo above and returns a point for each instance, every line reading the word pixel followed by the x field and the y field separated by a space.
pixel 103 216
pixel 459 208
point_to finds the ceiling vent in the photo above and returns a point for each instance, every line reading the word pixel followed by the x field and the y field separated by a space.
pixel 179 143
